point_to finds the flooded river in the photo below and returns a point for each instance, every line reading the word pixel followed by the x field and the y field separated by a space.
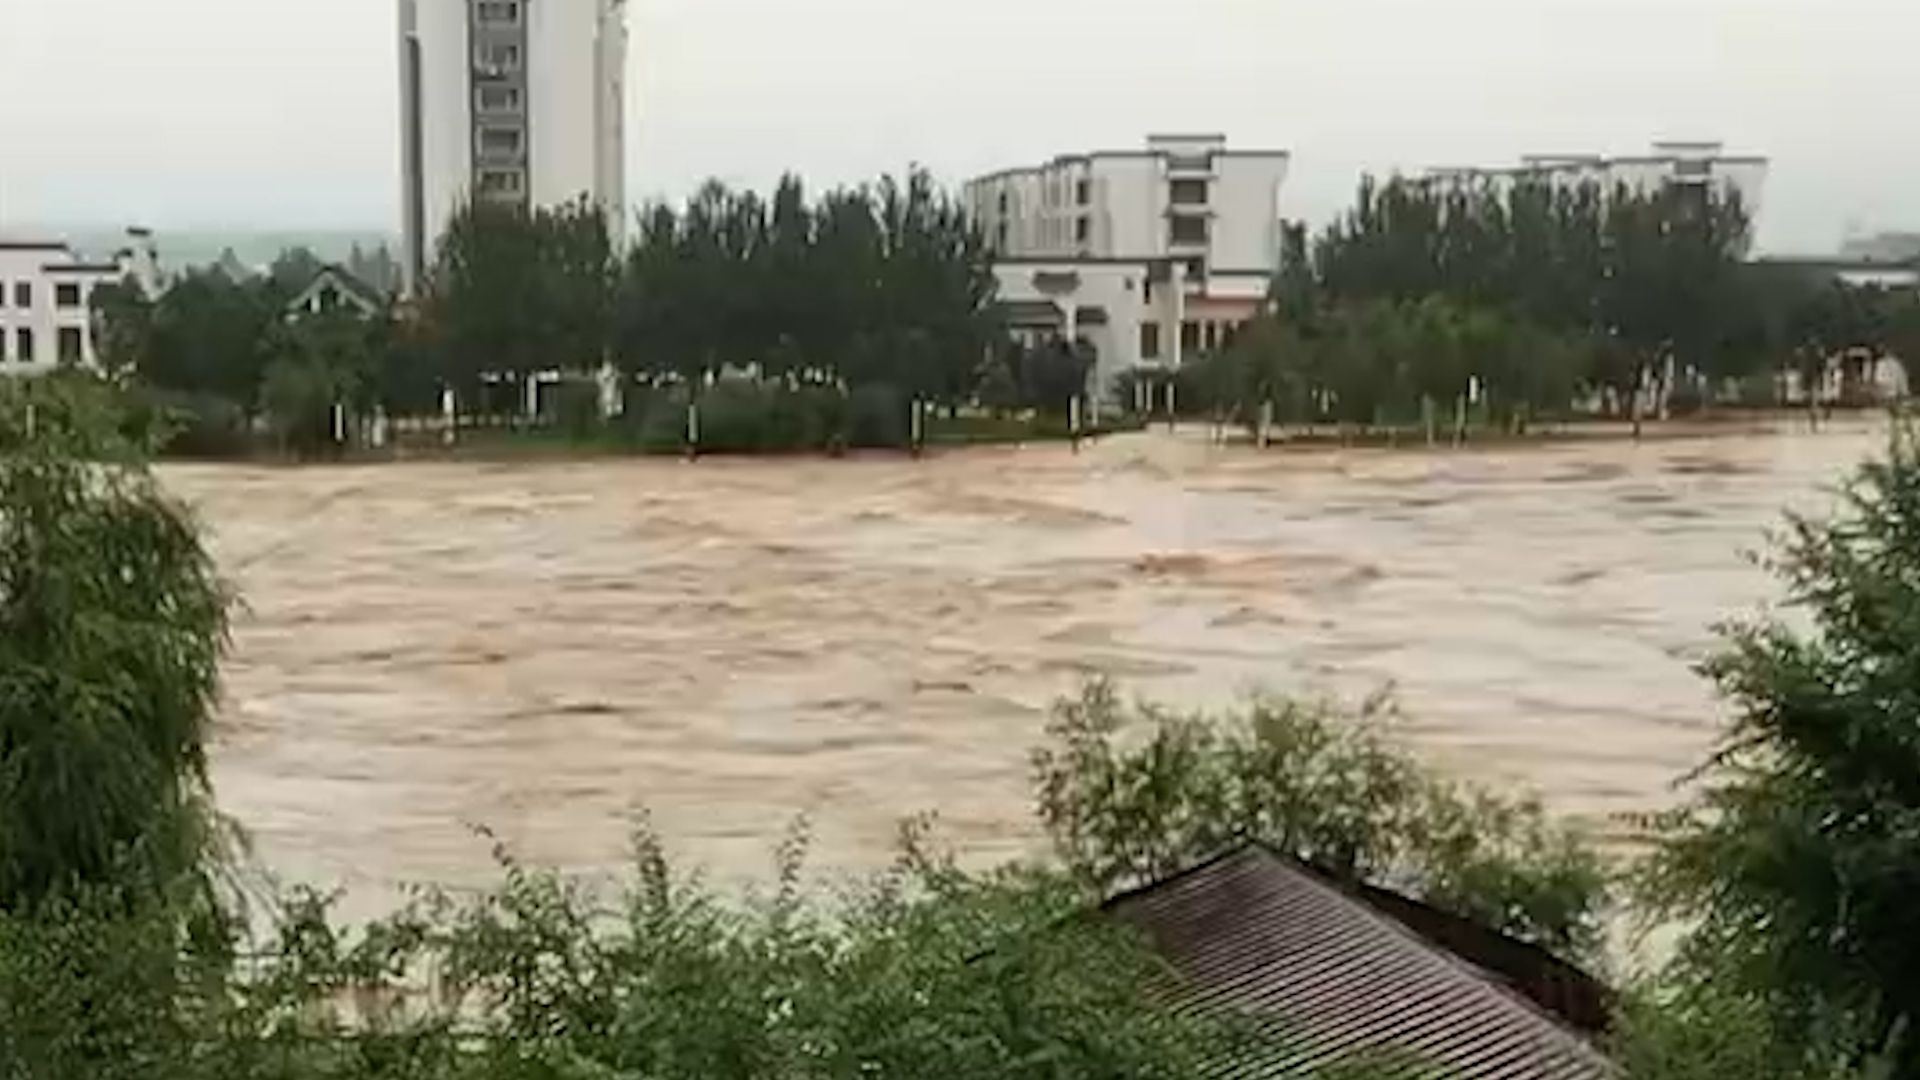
pixel 544 648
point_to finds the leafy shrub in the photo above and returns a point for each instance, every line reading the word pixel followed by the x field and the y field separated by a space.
pixel 876 418
pixel 1797 862
pixel 1325 788
pixel 574 406
pixel 656 419
pixel 197 425
pixel 112 625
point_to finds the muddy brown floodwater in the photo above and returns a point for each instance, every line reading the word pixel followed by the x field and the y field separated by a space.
pixel 544 648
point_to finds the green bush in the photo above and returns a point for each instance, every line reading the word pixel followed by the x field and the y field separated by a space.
pixel 1797 862
pixel 877 418
pixel 573 405
pixel 655 420
pixel 197 425
pixel 1132 794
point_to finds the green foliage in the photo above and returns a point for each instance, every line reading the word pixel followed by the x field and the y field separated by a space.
pixel 1707 1031
pixel 1644 276
pixel 1395 364
pixel 886 284
pixel 111 629
pixel 319 362
pixel 516 292
pixel 1799 858
pixel 208 336
pixel 1137 793
pixel 195 425
pixel 877 418
pixel 930 972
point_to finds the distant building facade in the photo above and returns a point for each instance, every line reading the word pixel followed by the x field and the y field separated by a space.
pixel 515 101
pixel 1149 256
pixel 46 300
pixel 1701 165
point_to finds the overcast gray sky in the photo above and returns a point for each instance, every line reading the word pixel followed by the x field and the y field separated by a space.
pixel 282 113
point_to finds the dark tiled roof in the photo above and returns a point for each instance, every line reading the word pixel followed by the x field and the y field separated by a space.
pixel 1031 312
pixel 1332 977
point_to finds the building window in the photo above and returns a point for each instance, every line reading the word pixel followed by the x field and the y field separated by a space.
pixel 23 346
pixel 502 182
pixel 1083 229
pixel 1149 341
pixel 1189 337
pixel 1004 230
pixel 23 294
pixel 500 56
pixel 1003 202
pixel 1083 192
pixel 3 304
pixel 498 98
pixel 1187 231
pixel 72 346
pixel 66 294
pixel 500 12
pixel 1188 192
pixel 501 141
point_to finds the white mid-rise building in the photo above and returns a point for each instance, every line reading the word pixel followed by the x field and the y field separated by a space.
pixel 1147 256
pixel 1703 165
pixel 46 300
pixel 521 101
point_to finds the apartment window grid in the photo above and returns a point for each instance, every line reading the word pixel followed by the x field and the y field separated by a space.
pixel 1188 192
pixel 23 345
pixel 23 294
pixel 498 98
pixel 71 345
pixel 500 13
pixel 1187 230
pixel 66 294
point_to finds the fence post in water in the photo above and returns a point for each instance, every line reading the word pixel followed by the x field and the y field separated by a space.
pixel 916 426
pixel 1265 438
pixel 1073 422
pixel 339 424
pixel 693 428
pixel 1173 404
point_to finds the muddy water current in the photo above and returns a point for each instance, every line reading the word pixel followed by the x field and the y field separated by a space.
pixel 542 649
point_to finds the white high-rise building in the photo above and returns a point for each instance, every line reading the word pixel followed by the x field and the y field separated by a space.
pixel 513 100
pixel 1146 256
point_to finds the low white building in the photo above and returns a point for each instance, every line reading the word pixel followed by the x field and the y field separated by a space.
pixel 1703 165
pixel 46 295
pixel 1148 256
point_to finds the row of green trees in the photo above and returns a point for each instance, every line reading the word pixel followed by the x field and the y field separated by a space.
pixel 883 286
pixel 1531 298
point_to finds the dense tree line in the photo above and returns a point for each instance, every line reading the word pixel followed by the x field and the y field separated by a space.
pixel 886 284
pixel 882 288
pixel 1527 297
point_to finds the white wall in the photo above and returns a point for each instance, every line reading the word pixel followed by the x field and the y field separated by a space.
pixel 1246 204
pixel 1119 288
pixel 44 317
pixel 446 125
pixel 1135 190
